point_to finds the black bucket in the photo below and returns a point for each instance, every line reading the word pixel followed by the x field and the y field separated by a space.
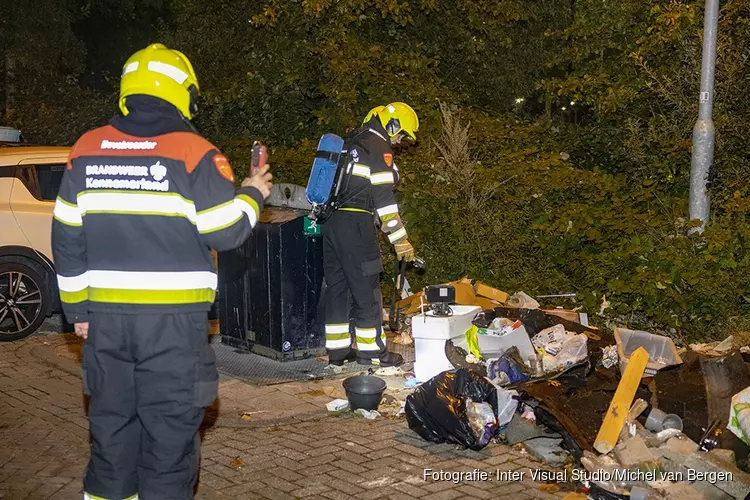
pixel 364 391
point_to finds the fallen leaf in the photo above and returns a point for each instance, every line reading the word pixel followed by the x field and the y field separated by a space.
pixel 246 417
pixel 549 488
pixel 554 383
pixel 237 462
pixel 333 392
pixel 575 496
pixel 316 392
pixel 388 399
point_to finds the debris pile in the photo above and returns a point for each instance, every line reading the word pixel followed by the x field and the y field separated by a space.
pixel 633 414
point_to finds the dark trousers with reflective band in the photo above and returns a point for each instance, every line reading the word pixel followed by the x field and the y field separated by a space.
pixel 352 270
pixel 150 378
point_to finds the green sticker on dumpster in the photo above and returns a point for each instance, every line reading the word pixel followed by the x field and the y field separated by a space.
pixel 310 228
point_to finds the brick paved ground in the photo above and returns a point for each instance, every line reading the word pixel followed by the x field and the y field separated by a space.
pixel 289 448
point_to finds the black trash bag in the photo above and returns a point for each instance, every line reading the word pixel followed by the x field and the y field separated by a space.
pixel 534 320
pixel 437 409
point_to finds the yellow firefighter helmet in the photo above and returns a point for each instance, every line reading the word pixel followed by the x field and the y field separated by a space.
pixel 164 73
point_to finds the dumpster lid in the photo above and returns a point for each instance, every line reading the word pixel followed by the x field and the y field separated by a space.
pixel 277 215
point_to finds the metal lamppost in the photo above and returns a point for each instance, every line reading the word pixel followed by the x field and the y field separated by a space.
pixel 703 132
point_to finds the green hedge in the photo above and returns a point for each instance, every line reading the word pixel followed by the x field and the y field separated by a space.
pixel 573 175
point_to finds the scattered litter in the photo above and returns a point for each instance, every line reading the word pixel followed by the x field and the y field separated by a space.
pixel 609 356
pixel 550 339
pixel 710 439
pixel 404 338
pixel 604 305
pixel 503 326
pixel 739 415
pixel 507 404
pixel 335 369
pixel 248 415
pixel 528 414
pixel 714 348
pixel 411 382
pixel 573 351
pixel 483 421
pixel 658 439
pixel 522 301
pixel 237 462
pixel 658 421
pixel 606 467
pixel 367 414
pixel 725 345
pixel 638 406
pixel 390 371
pixel 393 408
pixel 638 493
pixel 470 358
pixel 548 450
pixel 511 364
pixel 337 405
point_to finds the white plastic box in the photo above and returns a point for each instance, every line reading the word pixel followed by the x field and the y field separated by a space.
pixel 661 350
pixel 430 334
pixel 493 346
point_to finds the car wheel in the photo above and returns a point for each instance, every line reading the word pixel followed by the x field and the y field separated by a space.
pixel 23 300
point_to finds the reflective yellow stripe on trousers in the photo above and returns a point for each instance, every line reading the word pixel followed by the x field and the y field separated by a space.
pixel 337 336
pixel 367 339
pixel 86 496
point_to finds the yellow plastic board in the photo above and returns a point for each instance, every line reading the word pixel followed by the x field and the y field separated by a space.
pixel 609 432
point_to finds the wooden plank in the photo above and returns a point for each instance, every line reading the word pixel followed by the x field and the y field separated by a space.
pixel 609 432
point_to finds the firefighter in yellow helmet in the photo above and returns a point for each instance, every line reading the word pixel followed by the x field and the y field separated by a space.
pixel 350 247
pixel 142 203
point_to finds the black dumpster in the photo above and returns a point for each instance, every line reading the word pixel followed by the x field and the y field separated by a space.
pixel 270 288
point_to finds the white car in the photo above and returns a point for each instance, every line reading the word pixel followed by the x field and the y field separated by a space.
pixel 29 181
